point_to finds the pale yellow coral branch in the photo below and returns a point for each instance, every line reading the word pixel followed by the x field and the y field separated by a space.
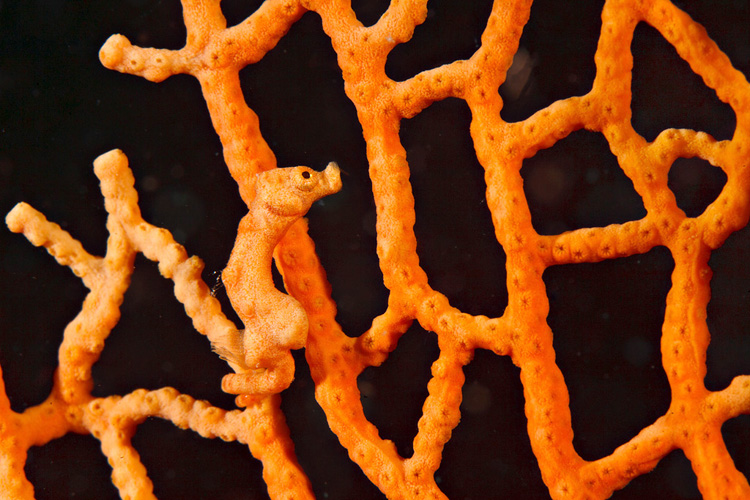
pixel 23 218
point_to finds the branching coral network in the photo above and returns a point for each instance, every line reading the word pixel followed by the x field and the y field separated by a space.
pixel 274 323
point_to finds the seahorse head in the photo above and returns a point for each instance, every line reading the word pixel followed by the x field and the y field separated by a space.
pixel 291 191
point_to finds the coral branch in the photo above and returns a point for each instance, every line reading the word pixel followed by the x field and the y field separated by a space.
pixel 305 316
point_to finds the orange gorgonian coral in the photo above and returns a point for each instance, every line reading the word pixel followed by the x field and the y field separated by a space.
pixel 461 319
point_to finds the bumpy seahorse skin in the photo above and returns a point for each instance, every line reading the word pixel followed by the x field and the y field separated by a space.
pixel 274 322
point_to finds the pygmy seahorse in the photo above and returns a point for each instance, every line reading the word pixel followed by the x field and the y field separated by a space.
pixel 274 322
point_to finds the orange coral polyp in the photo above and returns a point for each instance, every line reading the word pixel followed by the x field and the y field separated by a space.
pixel 214 54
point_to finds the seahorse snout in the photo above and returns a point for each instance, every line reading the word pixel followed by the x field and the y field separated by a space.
pixel 330 179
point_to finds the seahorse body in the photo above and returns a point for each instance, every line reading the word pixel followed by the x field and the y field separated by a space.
pixel 274 322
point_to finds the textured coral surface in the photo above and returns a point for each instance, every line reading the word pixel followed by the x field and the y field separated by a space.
pixel 585 412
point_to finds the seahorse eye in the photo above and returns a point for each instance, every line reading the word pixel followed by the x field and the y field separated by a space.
pixel 307 181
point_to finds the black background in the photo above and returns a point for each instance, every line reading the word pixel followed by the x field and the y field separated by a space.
pixel 59 109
